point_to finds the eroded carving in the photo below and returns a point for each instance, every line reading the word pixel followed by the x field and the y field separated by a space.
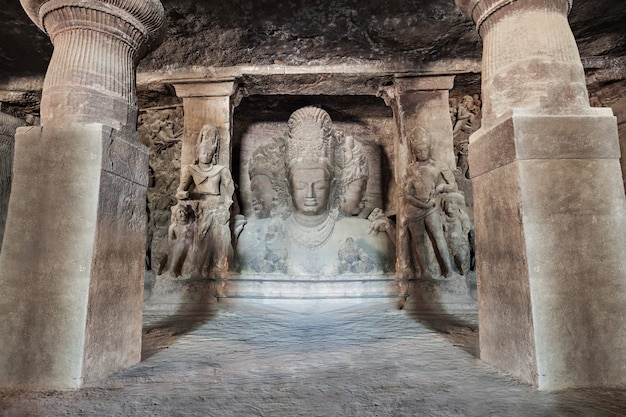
pixel 466 118
pixel 457 228
pixel 210 185
pixel 267 179
pixel 181 233
pixel 379 222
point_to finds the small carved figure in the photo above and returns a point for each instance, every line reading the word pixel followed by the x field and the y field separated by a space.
pixel 379 222
pixel 457 227
pixel 274 256
pixel 212 186
pixel 352 258
pixel 424 181
pixel 181 232
pixel 465 122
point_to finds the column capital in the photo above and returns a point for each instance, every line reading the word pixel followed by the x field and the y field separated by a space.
pixel 481 10
pixel 138 22
pixel 97 47
pixel 221 88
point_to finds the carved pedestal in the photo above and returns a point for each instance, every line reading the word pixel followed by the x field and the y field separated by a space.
pixel 550 220
pixel 71 264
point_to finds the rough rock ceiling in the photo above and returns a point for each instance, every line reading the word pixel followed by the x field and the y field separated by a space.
pixel 403 33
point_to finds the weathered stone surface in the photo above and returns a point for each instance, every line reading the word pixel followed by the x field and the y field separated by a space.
pixel 244 359
pixel 71 281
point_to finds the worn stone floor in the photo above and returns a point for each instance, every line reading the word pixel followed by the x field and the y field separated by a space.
pixel 240 358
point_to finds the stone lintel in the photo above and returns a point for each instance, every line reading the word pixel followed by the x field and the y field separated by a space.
pixel 73 257
pixel 225 88
pixel 423 83
pixel 527 135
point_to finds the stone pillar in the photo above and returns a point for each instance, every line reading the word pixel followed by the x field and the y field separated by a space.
pixel 73 255
pixel 8 124
pixel 97 46
pixel 420 102
pixel 549 205
pixel 208 103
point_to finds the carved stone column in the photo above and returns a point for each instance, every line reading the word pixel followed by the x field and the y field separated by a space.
pixel 8 124
pixel 73 253
pixel 97 46
pixel 208 103
pixel 419 102
pixel 549 205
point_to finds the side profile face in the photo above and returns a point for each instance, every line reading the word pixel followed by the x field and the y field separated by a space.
pixel 352 199
pixel 263 195
pixel 310 190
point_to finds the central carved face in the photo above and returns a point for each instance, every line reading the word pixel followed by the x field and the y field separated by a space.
pixel 310 190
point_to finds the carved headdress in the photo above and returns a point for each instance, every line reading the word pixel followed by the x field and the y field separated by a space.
pixel 309 142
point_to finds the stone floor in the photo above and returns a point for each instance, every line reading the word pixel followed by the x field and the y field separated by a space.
pixel 240 358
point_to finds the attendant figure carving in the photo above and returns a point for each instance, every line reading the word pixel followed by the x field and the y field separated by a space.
pixel 424 183
pixel 457 227
pixel 466 121
pixel 211 185
pixel 181 232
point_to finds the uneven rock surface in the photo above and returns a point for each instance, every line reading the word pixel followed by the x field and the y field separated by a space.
pixel 373 360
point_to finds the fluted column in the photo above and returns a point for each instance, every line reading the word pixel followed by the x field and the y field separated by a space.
pixel 72 260
pixel 530 57
pixel 549 205
pixel 97 46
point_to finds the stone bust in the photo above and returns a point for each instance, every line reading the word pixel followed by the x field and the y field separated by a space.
pixel 311 239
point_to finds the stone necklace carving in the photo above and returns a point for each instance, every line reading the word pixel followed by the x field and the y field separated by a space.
pixel 310 231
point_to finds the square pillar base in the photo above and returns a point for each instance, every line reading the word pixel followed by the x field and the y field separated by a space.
pixel 72 262
pixel 550 229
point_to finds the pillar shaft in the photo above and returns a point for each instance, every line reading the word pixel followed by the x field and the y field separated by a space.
pixel 549 205
pixel 73 252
